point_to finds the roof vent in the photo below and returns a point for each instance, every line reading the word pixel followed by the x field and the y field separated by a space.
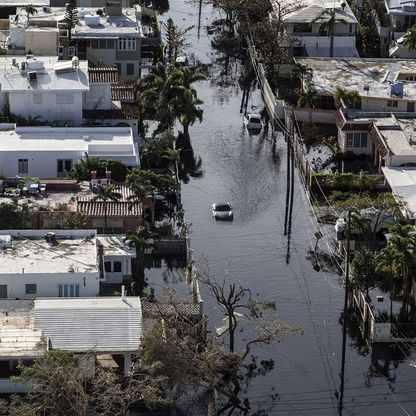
pixel 86 138
pixel 5 241
pixel 50 238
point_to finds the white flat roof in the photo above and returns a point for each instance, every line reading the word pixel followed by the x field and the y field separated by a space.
pixel 126 24
pixel 93 140
pixel 13 79
pixel 403 184
pixel 355 73
pixel 31 253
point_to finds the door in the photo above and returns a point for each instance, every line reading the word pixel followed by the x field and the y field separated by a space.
pixel 3 291
pixel 64 166
pixel 410 107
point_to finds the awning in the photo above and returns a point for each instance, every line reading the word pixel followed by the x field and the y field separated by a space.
pixel 402 182
pixel 319 52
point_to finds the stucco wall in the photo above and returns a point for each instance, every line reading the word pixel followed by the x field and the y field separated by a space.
pixel 42 42
pixel 342 141
pixel 380 104
pixel 21 103
pixel 47 284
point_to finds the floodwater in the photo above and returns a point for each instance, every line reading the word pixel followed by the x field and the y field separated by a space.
pixel 250 172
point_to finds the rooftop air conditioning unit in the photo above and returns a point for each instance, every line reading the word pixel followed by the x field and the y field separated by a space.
pixel 86 138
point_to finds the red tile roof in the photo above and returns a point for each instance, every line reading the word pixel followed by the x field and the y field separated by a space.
pixel 103 75
pixel 124 94
pixel 121 208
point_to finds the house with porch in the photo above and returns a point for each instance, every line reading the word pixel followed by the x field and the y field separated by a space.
pixel 303 26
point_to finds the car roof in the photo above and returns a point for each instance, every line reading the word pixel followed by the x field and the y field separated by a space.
pixel 222 203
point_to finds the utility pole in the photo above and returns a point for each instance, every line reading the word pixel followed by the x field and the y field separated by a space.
pixel 344 327
pixel 199 19
pixel 287 174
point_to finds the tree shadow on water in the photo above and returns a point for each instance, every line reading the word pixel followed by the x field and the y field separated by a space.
pixel 190 166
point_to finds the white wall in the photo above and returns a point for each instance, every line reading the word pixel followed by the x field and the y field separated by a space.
pixel 374 104
pixel 21 103
pixel 98 97
pixel 342 141
pixel 114 277
pixel 47 283
pixel 325 41
pixel 42 164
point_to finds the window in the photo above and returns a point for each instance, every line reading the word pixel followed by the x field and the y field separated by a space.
pixel 63 166
pixel 23 166
pixel 302 28
pixel 30 289
pixel 350 138
pixel 117 266
pixel 363 139
pixel 94 43
pixel 127 44
pixel 130 69
pixel 102 44
pixel 356 139
pixel 68 291
pixel 392 103
pixel 37 98
pixel 64 98
pixel 112 266
pixel 410 107
pixel 110 43
pixel 71 51
pixel 3 291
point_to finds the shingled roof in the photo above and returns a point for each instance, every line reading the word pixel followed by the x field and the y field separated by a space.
pixel 103 75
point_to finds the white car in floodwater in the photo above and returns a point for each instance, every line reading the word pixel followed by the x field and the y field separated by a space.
pixel 222 211
pixel 253 122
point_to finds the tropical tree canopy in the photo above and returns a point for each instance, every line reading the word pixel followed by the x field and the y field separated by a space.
pixel 409 39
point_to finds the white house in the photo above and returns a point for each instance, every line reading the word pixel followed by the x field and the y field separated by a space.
pixel 384 85
pixel 110 327
pixel 50 152
pixel 38 263
pixel 44 88
pixel 303 26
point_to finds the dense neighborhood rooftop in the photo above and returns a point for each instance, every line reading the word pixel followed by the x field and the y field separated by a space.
pixel 28 251
pixel 370 77
pixel 46 138
pixel 51 74
pixel 310 10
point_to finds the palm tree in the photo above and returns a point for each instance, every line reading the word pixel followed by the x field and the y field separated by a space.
pixel 188 77
pixel 172 156
pixel 139 239
pixel 82 169
pixel 105 194
pixel 349 97
pixel 187 110
pixel 409 39
pixel 308 99
pixel 385 263
pixel 164 85
pixel 30 11
pixel 328 25
pixel 302 72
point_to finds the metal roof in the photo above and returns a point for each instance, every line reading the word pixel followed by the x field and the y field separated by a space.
pixel 106 324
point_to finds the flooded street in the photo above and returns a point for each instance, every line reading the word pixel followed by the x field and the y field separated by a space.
pixel 250 173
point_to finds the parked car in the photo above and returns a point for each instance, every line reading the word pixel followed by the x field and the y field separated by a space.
pixel 222 211
pixel 253 122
